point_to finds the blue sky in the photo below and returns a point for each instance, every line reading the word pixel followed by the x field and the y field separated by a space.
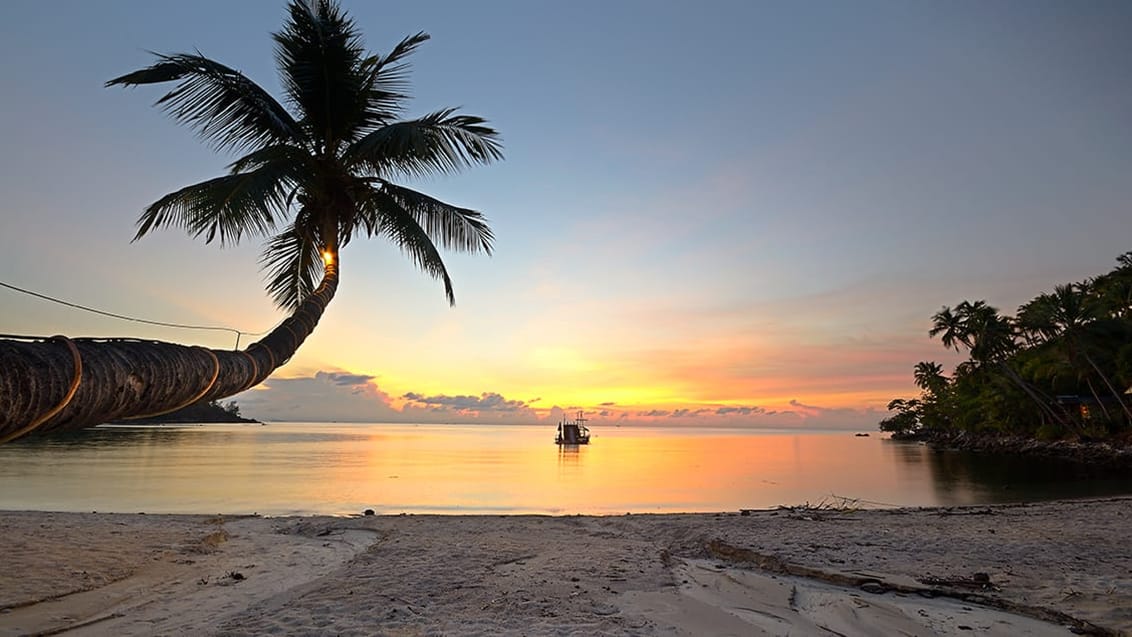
pixel 704 207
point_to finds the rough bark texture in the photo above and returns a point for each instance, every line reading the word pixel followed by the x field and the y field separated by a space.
pixel 61 384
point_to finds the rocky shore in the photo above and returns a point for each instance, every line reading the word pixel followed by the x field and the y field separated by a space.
pixel 1107 457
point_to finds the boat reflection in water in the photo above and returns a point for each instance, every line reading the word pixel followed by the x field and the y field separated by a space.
pixel 573 432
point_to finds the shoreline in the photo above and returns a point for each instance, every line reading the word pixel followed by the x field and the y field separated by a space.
pixel 1091 457
pixel 940 571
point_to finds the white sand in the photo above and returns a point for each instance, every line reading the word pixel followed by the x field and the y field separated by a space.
pixel 797 572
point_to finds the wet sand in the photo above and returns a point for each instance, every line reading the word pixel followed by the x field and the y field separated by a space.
pixel 1041 569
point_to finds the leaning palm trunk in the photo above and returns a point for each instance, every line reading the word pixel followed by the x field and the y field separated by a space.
pixel 324 171
pixel 63 384
pixel 1111 389
pixel 1043 402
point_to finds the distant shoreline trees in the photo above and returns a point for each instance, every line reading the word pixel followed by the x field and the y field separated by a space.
pixel 205 411
pixel 1060 367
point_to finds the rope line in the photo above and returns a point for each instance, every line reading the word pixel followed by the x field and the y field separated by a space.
pixel 129 318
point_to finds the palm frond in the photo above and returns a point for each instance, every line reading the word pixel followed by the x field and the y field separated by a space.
pixel 297 160
pixel 443 142
pixel 319 54
pixel 387 79
pixel 293 263
pixel 453 227
pixel 330 157
pixel 224 106
pixel 385 216
pixel 225 207
pixel 393 68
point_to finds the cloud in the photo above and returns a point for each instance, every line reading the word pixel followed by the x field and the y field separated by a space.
pixel 841 415
pixel 347 379
pixel 344 396
pixel 325 396
pixel 797 415
pixel 340 395
pixel 488 401
pixel 740 411
pixel 811 410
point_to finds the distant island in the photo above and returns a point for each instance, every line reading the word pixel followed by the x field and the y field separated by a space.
pixel 203 412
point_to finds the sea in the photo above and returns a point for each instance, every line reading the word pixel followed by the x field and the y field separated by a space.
pixel 279 469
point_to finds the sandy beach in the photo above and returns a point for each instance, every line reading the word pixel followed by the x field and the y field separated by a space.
pixel 1041 569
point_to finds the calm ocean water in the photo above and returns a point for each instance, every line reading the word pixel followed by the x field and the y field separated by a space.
pixel 304 468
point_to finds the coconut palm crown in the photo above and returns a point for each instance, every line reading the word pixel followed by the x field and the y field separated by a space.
pixel 316 175
pixel 311 178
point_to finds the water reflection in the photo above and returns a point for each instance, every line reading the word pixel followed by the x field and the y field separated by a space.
pixel 569 455
pixel 344 469
pixel 569 479
pixel 963 477
pixel 910 453
pixel 105 437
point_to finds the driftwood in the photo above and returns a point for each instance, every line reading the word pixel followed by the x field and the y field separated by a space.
pixel 58 384
pixel 977 581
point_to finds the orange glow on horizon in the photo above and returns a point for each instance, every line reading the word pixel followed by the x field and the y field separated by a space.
pixel 805 397
pixel 690 385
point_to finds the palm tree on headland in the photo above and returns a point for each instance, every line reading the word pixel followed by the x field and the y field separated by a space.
pixel 990 339
pixel 311 179
pixel 929 377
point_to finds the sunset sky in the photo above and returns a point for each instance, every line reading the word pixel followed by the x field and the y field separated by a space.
pixel 715 213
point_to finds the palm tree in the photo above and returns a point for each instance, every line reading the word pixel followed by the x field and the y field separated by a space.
pixel 990 338
pixel 311 179
pixel 929 377
pixel 978 327
pixel 1114 289
pixel 990 333
pixel 948 325
pixel 1064 319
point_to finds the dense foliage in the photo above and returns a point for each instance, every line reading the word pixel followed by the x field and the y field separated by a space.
pixel 205 411
pixel 1060 367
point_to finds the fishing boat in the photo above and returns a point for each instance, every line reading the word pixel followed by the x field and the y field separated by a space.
pixel 573 432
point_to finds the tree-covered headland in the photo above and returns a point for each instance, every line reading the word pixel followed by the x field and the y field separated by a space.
pixel 1060 368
